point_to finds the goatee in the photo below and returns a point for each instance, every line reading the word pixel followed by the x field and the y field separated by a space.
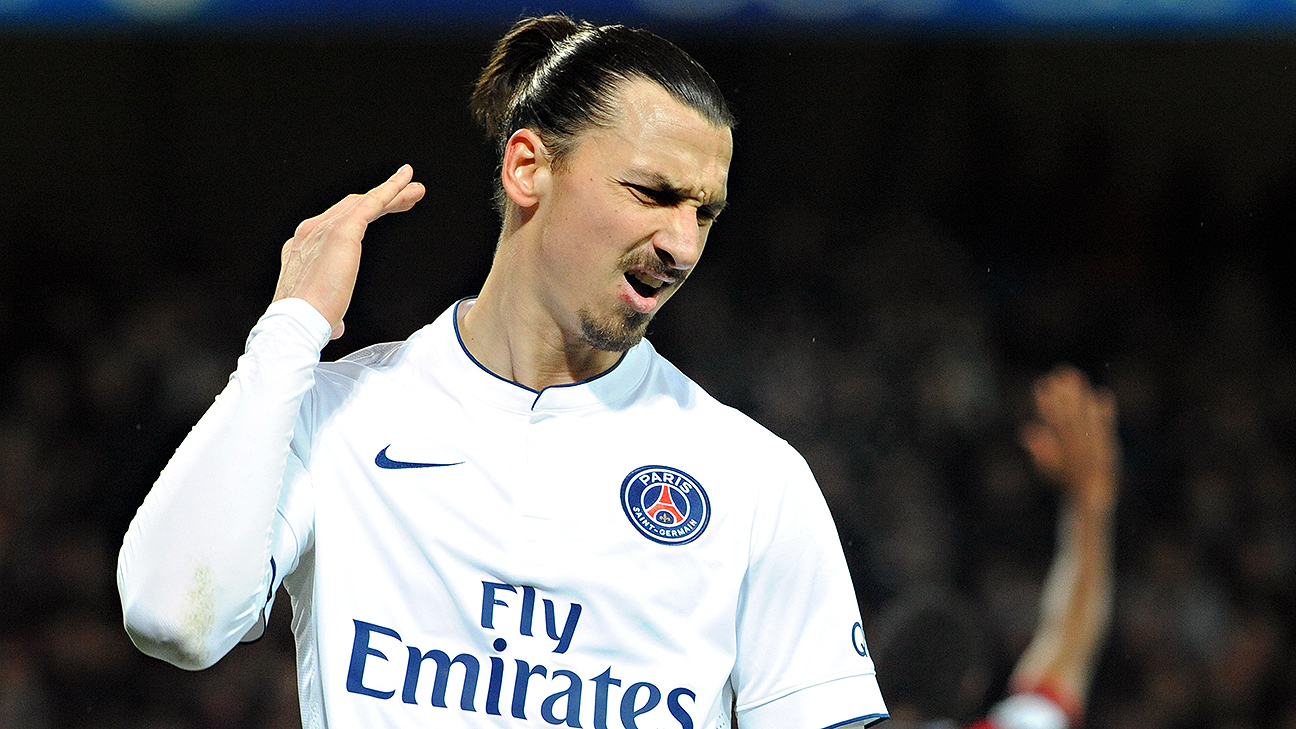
pixel 615 333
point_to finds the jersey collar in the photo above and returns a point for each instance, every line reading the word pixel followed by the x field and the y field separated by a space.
pixel 457 366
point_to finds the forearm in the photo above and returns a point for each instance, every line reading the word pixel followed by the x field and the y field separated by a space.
pixel 193 569
pixel 1076 606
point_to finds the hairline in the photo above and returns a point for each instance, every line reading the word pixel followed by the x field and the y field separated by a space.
pixel 559 154
pixel 618 88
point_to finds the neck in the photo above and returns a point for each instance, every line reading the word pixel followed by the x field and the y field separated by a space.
pixel 510 331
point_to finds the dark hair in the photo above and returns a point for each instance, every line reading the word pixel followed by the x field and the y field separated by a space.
pixel 929 647
pixel 558 77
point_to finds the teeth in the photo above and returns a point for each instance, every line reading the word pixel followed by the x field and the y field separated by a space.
pixel 649 280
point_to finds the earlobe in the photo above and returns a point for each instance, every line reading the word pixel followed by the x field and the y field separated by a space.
pixel 525 168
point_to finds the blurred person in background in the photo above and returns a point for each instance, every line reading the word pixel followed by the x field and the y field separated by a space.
pixel 931 644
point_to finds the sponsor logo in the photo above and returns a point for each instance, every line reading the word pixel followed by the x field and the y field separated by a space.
pixel 665 504
pixel 382 461
pixel 384 666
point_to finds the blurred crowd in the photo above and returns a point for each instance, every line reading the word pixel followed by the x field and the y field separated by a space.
pixel 895 353
pixel 887 363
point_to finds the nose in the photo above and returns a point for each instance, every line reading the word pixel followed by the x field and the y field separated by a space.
pixel 680 239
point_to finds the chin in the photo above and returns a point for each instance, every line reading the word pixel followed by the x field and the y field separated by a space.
pixel 615 333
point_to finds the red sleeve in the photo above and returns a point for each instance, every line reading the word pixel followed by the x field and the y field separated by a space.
pixel 1037 706
pixel 1073 709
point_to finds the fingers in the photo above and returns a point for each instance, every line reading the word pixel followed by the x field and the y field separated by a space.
pixel 406 198
pixel 396 195
pixel 390 195
pixel 1072 439
pixel 319 264
pixel 340 207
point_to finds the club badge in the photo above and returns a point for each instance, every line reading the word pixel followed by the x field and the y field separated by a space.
pixel 665 504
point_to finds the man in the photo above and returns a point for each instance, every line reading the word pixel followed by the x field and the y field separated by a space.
pixel 522 515
pixel 932 646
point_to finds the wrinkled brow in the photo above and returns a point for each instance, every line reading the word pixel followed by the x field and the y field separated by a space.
pixel 668 193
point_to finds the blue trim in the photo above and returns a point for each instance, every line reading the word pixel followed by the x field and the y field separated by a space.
pixel 265 619
pixel 870 718
pixel 954 15
pixel 274 572
pixel 454 317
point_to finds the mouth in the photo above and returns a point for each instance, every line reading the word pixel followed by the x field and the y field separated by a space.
pixel 646 284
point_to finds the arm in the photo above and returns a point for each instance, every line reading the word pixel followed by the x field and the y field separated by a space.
pixel 802 658
pixel 194 568
pixel 1073 442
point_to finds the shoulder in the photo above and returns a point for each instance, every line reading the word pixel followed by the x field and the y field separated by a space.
pixel 381 371
pixel 391 359
pixel 374 358
pixel 724 429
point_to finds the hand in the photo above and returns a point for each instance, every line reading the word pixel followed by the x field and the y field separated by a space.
pixel 320 262
pixel 1073 439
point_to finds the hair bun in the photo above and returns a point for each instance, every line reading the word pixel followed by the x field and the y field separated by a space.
pixel 513 62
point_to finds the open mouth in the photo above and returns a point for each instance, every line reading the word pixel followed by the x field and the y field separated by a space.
pixel 645 285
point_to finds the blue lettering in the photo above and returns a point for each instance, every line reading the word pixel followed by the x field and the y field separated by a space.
pixel 569 629
pixel 628 710
pixel 528 609
pixel 489 601
pixel 857 638
pixel 520 684
pixel 639 699
pixel 442 677
pixel 601 683
pixel 677 711
pixel 360 651
pixel 493 688
pixel 573 696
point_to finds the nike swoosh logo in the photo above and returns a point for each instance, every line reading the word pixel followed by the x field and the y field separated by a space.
pixel 382 461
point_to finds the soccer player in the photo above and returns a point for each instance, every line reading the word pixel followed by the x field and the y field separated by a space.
pixel 522 515
pixel 931 646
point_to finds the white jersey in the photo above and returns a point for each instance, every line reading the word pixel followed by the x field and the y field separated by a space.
pixel 461 551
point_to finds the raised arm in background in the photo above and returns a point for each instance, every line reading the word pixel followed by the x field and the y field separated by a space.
pixel 1073 443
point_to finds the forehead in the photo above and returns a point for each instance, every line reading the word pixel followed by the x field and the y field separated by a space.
pixel 654 135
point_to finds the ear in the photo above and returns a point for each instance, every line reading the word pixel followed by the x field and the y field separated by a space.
pixel 525 170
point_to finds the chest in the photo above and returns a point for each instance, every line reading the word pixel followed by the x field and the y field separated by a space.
pixel 517 525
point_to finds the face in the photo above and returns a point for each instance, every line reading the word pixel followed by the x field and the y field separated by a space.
pixel 627 215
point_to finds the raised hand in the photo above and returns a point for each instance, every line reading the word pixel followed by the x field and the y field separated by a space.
pixel 1073 439
pixel 320 262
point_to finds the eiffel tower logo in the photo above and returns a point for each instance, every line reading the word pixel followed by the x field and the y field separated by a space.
pixel 663 510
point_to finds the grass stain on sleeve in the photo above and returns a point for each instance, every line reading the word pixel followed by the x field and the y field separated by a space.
pixel 201 615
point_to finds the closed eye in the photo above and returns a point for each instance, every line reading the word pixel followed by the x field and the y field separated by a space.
pixel 669 197
pixel 656 196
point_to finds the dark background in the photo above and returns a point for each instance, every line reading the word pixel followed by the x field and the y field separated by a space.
pixel 920 223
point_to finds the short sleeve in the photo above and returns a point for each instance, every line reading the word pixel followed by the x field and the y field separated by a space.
pixel 803 661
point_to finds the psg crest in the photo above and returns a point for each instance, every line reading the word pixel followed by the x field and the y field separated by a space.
pixel 665 504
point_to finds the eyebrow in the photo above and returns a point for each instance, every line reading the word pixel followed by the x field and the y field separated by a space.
pixel 666 192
